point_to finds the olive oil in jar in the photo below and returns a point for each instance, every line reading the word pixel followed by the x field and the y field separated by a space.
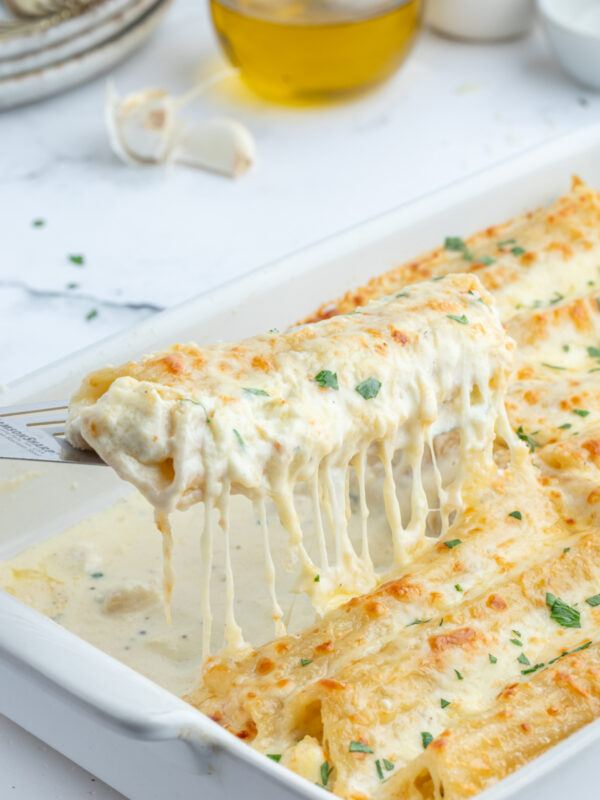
pixel 310 50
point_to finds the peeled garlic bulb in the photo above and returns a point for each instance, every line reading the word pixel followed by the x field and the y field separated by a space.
pixel 220 145
pixel 145 128
pixel 141 127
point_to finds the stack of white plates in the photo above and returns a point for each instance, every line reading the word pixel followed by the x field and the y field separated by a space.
pixel 40 57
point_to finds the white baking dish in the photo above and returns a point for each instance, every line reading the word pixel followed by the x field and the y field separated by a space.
pixel 134 735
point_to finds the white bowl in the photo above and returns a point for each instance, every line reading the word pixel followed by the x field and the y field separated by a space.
pixel 481 20
pixel 573 29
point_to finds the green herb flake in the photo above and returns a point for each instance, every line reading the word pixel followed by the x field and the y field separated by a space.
pixel 552 366
pixel 91 314
pixel 522 659
pixel 388 765
pixel 487 260
pixel 419 622
pixel 462 319
pixel 369 388
pixel 598 303
pixel 273 330
pixel 566 549
pixel 444 703
pixel 532 669
pixel 426 738
pixel 493 659
pixel 517 251
pixel 516 633
pixel 72 285
pixel 594 352
pixel 566 348
pixel 306 661
pixel 316 579
pixel 360 747
pixel 581 412
pixel 591 601
pixel 238 436
pixel 556 299
pixel 77 259
pixel 274 757
pixel 458 587
pixel 38 223
pixel 454 243
pixel 405 294
pixel 379 769
pixel 516 515
pixel 438 278
pixel 526 438
pixel 97 575
pixel 326 770
pixel 505 242
pixel 257 392
pixel 441 622
pixel 565 427
pixel 453 543
pixel 561 612
pixel 458 675
pixel 517 642
pixel 327 379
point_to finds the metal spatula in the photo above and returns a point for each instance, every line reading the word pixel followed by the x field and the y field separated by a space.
pixel 36 432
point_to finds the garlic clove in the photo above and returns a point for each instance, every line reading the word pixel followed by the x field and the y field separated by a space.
pixel 141 127
pixel 221 145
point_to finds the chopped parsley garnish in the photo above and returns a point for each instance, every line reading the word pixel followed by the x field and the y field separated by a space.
pixel 326 770
pixel 524 437
pixel 91 314
pixel 505 242
pixel 78 260
pixel 458 587
pixel 566 549
pixel 517 251
pixel 379 770
pixel 441 622
pixel 306 661
pixel 566 348
pixel 388 765
pixel 453 543
pixel 419 622
pixel 72 285
pixel 327 379
pixel 516 641
pixel 96 575
pixel 516 515
pixel 238 436
pixel 38 223
pixel 196 403
pixel 570 652
pixel 426 738
pixel 444 703
pixel 274 757
pixel 565 427
pixel 591 601
pixel 493 659
pixel 405 294
pixel 454 243
pixel 561 612
pixel 487 260
pixel 462 319
pixel 532 669
pixel 438 278
pixel 581 412
pixel 360 747
pixel 556 299
pixel 458 675
pixel 259 392
pixel 551 366
pixel 516 633
pixel 369 388
pixel 316 579
pixel 273 330
pixel 522 659
pixel 594 352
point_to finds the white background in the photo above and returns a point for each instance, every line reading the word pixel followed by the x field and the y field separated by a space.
pixel 153 238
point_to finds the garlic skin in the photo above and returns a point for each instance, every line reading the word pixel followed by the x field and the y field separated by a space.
pixel 145 128
pixel 141 127
pixel 220 145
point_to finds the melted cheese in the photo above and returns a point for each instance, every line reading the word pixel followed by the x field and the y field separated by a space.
pixel 194 423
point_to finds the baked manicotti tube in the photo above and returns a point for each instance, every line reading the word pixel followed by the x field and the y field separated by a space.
pixel 263 415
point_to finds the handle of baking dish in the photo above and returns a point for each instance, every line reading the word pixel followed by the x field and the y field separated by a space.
pixel 94 682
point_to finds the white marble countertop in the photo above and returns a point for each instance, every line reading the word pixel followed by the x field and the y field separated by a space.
pixel 153 238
